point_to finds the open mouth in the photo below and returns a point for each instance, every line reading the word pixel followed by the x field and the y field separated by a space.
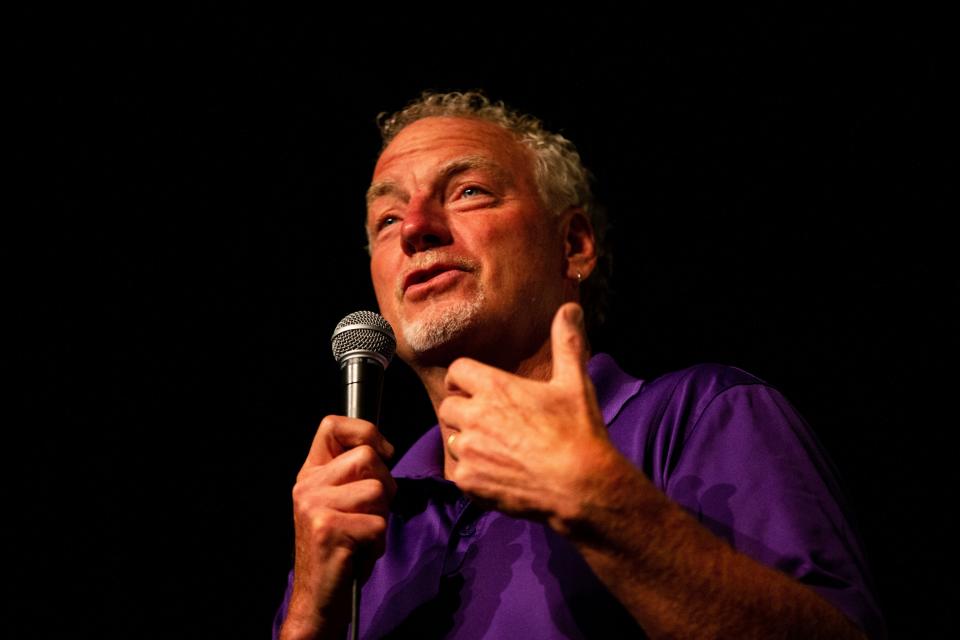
pixel 423 275
pixel 422 280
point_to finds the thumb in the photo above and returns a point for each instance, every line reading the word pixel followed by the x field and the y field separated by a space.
pixel 569 344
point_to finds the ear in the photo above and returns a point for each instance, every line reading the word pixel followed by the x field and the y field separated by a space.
pixel 579 246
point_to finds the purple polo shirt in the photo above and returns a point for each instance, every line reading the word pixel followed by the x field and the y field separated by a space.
pixel 720 442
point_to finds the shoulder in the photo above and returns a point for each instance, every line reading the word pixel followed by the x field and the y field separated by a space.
pixel 685 396
pixel 679 399
pixel 655 425
pixel 700 384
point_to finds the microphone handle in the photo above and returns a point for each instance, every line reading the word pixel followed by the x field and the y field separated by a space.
pixel 362 387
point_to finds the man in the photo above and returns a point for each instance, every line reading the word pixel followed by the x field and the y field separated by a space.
pixel 558 497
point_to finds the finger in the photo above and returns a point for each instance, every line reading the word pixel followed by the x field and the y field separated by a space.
pixel 337 434
pixel 569 345
pixel 343 529
pixel 454 411
pixel 360 463
pixel 364 496
pixel 469 377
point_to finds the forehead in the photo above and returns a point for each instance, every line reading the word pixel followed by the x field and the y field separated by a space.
pixel 430 142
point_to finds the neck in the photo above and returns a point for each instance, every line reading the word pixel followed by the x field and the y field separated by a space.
pixel 536 365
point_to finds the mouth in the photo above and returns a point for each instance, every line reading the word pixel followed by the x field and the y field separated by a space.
pixel 423 279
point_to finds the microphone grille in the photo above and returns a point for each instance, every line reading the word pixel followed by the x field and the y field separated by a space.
pixel 364 331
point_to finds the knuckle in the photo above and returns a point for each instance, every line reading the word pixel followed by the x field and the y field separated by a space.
pixel 378 526
pixel 456 366
pixel 329 423
pixel 465 444
pixel 459 368
pixel 301 491
pixel 306 505
pixel 462 477
pixel 445 410
pixel 379 487
pixel 572 340
pixel 367 432
pixel 322 526
pixel 366 456
pixel 373 490
pixel 501 385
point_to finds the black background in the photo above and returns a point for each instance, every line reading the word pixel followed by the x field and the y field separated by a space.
pixel 184 230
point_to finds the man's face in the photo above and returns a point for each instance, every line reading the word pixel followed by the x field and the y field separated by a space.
pixel 464 257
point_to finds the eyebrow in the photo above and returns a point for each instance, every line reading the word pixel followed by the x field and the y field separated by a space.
pixel 445 172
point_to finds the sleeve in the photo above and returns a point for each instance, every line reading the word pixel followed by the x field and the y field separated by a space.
pixel 281 614
pixel 752 471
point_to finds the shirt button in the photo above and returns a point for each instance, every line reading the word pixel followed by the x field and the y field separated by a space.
pixel 467 531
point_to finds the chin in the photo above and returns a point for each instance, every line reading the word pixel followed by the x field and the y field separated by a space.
pixel 441 325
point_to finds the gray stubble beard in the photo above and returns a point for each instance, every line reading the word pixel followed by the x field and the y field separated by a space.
pixel 437 327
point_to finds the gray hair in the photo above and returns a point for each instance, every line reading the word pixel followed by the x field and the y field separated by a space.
pixel 561 178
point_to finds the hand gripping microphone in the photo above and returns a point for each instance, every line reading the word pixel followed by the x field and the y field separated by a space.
pixel 363 345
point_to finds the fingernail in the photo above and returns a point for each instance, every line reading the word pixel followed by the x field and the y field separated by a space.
pixel 575 315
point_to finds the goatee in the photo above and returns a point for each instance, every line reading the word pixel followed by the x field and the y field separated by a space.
pixel 441 323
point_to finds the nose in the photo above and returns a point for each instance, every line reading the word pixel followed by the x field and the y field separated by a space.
pixel 425 225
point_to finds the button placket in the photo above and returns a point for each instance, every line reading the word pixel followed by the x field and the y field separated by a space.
pixel 461 534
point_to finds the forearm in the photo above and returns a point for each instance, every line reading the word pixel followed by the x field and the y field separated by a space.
pixel 308 618
pixel 304 623
pixel 675 577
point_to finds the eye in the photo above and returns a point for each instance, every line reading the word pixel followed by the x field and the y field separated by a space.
pixel 386 221
pixel 473 191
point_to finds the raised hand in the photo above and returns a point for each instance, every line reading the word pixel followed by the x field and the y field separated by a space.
pixel 527 447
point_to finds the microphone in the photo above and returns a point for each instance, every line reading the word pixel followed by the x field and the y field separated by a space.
pixel 363 344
